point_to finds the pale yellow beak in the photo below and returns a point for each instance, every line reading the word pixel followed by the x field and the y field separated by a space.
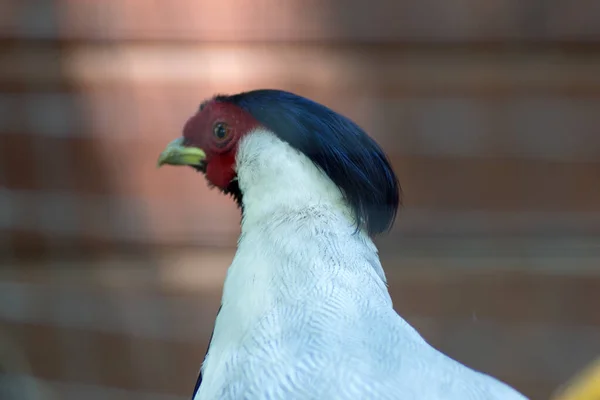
pixel 177 154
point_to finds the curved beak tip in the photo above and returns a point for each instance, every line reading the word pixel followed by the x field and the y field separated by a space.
pixel 163 159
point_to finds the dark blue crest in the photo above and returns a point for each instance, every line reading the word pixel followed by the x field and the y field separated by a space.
pixel 351 159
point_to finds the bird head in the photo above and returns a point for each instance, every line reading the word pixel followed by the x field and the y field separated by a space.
pixel 335 145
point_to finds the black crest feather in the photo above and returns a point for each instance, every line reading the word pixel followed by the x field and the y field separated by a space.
pixel 351 159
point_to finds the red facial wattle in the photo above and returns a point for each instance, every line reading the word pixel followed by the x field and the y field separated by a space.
pixel 220 169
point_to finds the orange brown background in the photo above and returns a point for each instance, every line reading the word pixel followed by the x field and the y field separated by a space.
pixel 111 270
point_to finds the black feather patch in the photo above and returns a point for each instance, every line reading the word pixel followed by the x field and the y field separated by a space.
pixel 351 159
pixel 233 189
pixel 199 380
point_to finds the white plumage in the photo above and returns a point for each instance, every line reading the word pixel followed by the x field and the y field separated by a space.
pixel 306 313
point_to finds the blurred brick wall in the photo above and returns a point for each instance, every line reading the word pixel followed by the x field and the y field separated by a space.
pixel 489 113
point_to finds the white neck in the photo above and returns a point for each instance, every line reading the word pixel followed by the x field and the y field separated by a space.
pixel 275 177
pixel 286 195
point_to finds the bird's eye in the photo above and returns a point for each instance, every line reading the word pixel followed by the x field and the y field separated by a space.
pixel 220 130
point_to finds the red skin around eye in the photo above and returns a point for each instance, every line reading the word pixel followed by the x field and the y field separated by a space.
pixel 220 154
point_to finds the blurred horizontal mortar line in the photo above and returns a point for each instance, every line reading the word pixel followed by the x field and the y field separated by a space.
pixel 551 254
pixel 488 90
pixel 507 45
